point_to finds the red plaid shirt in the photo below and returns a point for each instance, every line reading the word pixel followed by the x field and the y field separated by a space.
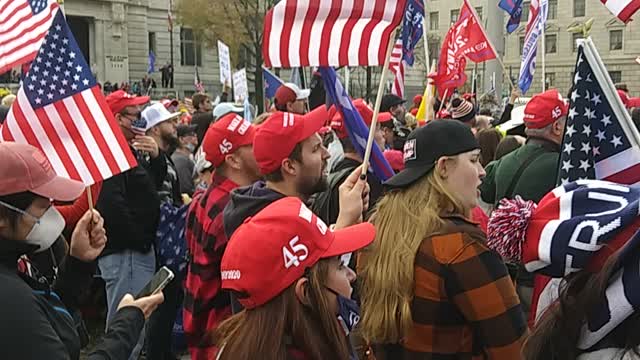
pixel 205 305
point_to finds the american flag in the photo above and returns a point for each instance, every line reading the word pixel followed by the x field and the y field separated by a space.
pixel 61 110
pixel 597 145
pixel 396 65
pixel 623 9
pixel 23 25
pixel 197 82
pixel 330 32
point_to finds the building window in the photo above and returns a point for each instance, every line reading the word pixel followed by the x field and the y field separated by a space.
pixel 525 11
pixel 152 43
pixel 550 42
pixel 553 9
pixel 434 48
pixel 190 50
pixel 454 16
pixel 521 45
pixel 550 80
pixel 616 76
pixel 479 12
pixel 615 40
pixel 574 39
pixel 434 21
pixel 579 8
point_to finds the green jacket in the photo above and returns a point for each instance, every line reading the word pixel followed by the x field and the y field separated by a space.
pixel 537 179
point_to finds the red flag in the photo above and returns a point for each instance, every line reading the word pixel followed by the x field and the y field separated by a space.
pixel 23 25
pixel 466 38
pixel 61 110
pixel 330 32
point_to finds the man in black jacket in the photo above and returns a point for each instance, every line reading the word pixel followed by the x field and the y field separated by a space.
pixel 131 208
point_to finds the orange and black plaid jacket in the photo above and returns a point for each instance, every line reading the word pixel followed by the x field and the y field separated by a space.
pixel 465 305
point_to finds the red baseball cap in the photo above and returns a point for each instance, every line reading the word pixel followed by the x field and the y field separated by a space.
pixel 417 100
pixel 543 109
pixel 261 267
pixel 278 135
pixel 290 92
pixel 118 100
pixel 337 123
pixel 225 136
pixel 26 168
pixel 385 117
pixel 395 158
pixel 168 103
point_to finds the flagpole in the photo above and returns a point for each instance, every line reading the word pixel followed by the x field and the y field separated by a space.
pixel 426 41
pixel 347 78
pixel 376 109
pixel 543 43
pixel 504 69
pixel 444 99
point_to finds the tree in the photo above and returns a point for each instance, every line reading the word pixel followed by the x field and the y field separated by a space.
pixel 237 23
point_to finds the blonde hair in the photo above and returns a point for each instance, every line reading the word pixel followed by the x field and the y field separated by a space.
pixel 403 218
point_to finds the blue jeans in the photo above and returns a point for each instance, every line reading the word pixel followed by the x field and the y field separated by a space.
pixel 126 272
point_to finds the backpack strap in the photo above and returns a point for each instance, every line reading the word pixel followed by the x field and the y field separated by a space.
pixel 516 177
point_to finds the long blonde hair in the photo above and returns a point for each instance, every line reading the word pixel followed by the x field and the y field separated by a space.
pixel 403 218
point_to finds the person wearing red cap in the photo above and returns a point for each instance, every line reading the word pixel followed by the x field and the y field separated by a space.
pixel 294 285
pixel 130 205
pixel 530 171
pixel 228 146
pixel 326 204
pixel 293 160
pixel 417 100
pixel 290 98
pixel 36 323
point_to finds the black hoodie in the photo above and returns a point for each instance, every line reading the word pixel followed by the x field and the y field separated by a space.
pixel 35 321
pixel 246 202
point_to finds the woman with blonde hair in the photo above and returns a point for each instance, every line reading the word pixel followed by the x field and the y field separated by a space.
pixel 431 288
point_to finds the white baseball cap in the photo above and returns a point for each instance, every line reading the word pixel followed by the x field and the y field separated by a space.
pixel 226 107
pixel 154 115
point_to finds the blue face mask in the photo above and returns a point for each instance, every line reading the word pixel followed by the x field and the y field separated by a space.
pixel 348 312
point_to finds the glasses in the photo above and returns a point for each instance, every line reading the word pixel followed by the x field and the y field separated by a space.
pixel 136 116
pixel 20 211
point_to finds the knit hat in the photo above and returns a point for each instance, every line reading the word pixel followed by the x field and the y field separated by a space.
pixel 462 110
pixel 574 227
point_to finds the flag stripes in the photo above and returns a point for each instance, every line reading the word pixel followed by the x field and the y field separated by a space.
pixel 330 32
pixel 22 28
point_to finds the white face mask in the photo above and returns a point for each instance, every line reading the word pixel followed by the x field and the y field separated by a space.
pixel 47 228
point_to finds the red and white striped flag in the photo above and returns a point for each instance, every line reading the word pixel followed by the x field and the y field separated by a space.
pixel 330 32
pixel 61 110
pixel 396 65
pixel 23 25
pixel 623 9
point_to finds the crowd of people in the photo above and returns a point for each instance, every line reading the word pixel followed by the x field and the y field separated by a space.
pixel 283 248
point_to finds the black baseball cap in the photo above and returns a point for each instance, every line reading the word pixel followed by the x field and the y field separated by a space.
pixel 425 145
pixel 186 130
pixel 389 101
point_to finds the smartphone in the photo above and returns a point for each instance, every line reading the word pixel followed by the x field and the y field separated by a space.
pixel 159 281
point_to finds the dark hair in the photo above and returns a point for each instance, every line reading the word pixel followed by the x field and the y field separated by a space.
pixel 488 140
pixel 280 107
pixel 20 200
pixel 557 332
pixel 506 145
pixel 347 145
pixel 388 124
pixel 272 329
pixel 276 176
pixel 198 99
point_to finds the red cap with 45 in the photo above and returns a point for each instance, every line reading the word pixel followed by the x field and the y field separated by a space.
pixel 260 267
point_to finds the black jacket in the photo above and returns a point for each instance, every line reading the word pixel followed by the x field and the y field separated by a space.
pixel 245 202
pixel 35 324
pixel 130 205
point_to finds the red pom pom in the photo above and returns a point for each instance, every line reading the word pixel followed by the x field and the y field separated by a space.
pixel 508 226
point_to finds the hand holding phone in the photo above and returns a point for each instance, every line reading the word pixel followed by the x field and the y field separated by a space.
pixel 147 304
